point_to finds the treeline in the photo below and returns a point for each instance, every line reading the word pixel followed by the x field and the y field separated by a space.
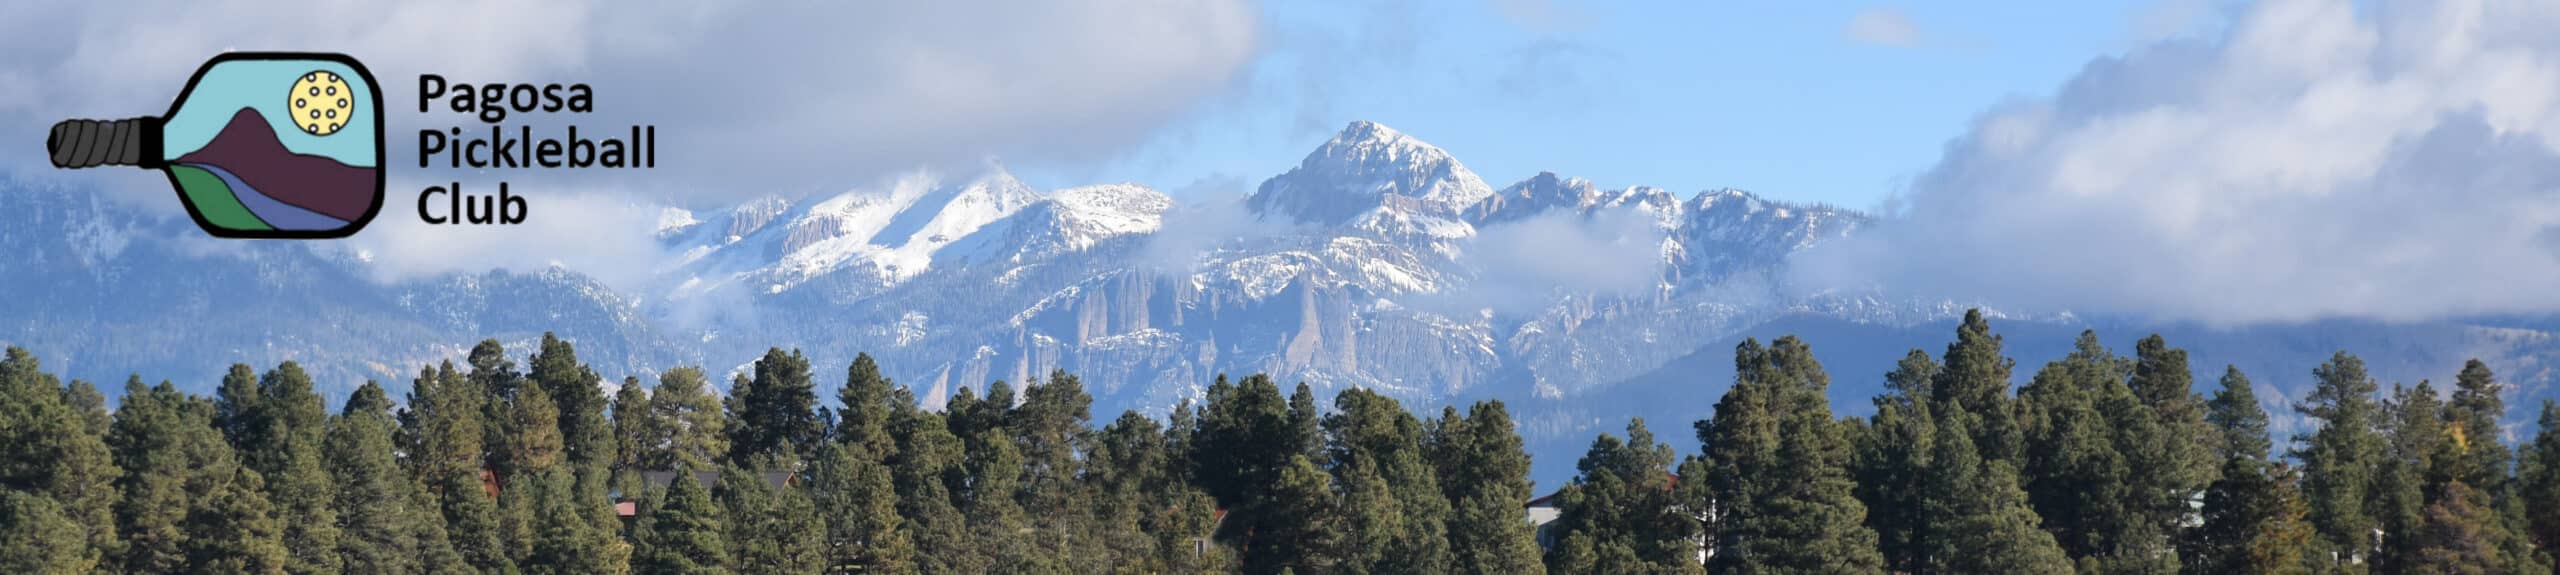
pixel 2099 463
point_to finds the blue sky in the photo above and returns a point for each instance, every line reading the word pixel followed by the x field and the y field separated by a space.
pixel 1837 102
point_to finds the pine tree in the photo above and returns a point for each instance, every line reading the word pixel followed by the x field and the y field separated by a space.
pixel 436 554
pixel 474 525
pixel 2085 433
pixel 2244 497
pixel 685 534
pixel 2172 459
pixel 36 538
pixel 235 529
pixel 2459 537
pixel 1891 463
pixel 773 417
pixel 2415 434
pixel 442 427
pixel 770 530
pixel 1484 471
pixel 1245 439
pixel 863 531
pixel 1983 522
pixel 1622 501
pixel 689 422
pixel 635 437
pixel 519 507
pixel 1974 379
pixel 172 453
pixel 1299 524
pixel 2235 414
pixel 2539 480
pixel 285 427
pixel 445 430
pixel 864 421
pixel 1399 515
pixel 49 448
pixel 1050 427
pixel 235 404
pixel 2282 543
pixel 586 437
pixel 991 497
pixel 566 539
pixel 1126 471
pixel 1777 468
pixel 373 501
pixel 923 470
pixel 533 442
pixel 496 382
pixel 1308 422
pixel 2339 461
pixel 83 398
pixel 2475 410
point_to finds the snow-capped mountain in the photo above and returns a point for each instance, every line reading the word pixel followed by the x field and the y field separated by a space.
pixel 1375 262
pixel 1374 178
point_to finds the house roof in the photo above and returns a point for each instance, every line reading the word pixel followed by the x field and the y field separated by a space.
pixel 1549 499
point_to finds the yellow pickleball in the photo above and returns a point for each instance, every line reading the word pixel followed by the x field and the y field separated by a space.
pixel 321 103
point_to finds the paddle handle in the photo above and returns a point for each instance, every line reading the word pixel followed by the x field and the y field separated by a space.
pixel 92 143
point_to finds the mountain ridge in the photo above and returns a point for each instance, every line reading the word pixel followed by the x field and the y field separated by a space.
pixel 1380 277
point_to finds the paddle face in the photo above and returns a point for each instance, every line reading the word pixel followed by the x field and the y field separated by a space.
pixel 277 145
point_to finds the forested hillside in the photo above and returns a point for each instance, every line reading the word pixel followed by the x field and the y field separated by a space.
pixel 536 463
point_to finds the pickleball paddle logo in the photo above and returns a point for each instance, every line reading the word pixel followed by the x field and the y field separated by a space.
pixel 258 145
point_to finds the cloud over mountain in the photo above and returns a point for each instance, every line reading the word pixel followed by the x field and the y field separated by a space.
pixel 2318 159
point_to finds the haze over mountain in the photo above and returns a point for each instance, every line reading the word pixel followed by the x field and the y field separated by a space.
pixel 1379 261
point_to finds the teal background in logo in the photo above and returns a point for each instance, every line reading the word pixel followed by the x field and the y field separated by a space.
pixel 266 85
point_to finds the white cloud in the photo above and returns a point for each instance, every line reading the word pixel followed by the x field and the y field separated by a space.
pixel 1218 220
pixel 748 97
pixel 606 236
pixel 1524 265
pixel 1883 26
pixel 2316 159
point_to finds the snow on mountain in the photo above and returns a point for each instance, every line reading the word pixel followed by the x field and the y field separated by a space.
pixel 1074 220
pixel 1728 231
pixel 1369 166
pixel 1538 194
pixel 675 221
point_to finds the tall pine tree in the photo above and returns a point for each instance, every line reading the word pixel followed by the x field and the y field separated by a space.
pixel 1484 471
pixel 1777 467
pixel 586 437
pixel 2539 480
pixel 2340 459
pixel 1981 520
pixel 773 417
pixel 1973 378
pixel 684 534
pixel 287 425
pixel 374 504
pixel 1620 514
pixel 49 448
pixel 690 426
pixel 1892 463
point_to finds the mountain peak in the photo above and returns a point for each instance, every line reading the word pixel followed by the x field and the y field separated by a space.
pixel 1366 166
pixel 1367 131
pixel 1536 195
